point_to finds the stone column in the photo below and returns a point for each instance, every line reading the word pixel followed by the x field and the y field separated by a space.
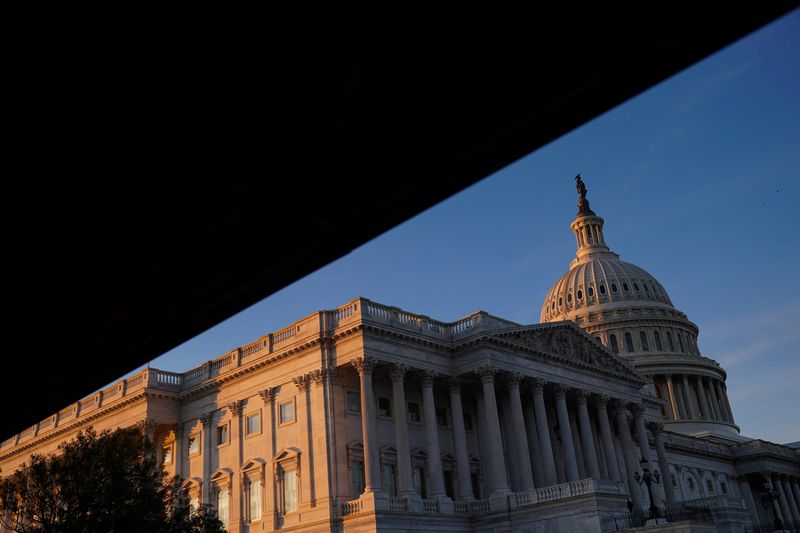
pixel 235 409
pixel 701 393
pixel 796 492
pixel 405 483
pixel 372 478
pixel 671 393
pixel 608 439
pixel 533 443
pixel 724 389
pixel 565 431
pixel 641 433
pixel 435 474
pixel 784 503
pixel 721 401
pixel 715 405
pixel 545 444
pixel 460 441
pixel 787 491
pixel 663 464
pixel 177 429
pixel 518 421
pixel 589 451
pixel 747 494
pixel 631 464
pixel 496 460
pixel 208 423
pixel 690 408
pixel 270 497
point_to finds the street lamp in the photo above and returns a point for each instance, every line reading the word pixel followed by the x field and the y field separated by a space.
pixel 648 478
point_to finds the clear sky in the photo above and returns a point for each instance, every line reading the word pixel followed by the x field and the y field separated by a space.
pixel 698 180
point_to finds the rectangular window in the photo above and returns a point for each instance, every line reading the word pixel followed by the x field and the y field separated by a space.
pixel 287 412
pixel 468 421
pixel 476 485
pixel 709 485
pixel 168 454
pixel 194 444
pixel 384 407
pixel 194 505
pixel 448 484
pixel 222 435
pixel 413 412
pixel 723 487
pixel 674 480
pixel 356 479
pixel 222 506
pixel 254 500
pixel 353 401
pixel 289 491
pixel 441 417
pixel 254 423
pixel 389 479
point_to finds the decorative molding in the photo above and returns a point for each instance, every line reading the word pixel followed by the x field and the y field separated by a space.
pixel 364 364
pixel 581 396
pixel 538 385
pixel 560 390
pixel 235 407
pixel 397 372
pixel 454 385
pixel 486 373
pixel 513 379
pixel 301 382
pixel 268 395
pixel 601 401
pixel 317 376
pixel 426 377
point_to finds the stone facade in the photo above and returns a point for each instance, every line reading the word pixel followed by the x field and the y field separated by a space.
pixel 371 418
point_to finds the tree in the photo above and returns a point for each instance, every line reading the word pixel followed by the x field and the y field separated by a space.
pixel 109 482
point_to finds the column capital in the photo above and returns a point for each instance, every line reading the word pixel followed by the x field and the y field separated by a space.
pixel 538 385
pixel 317 376
pixel 148 424
pixel 601 400
pixel 619 406
pixel 581 396
pixel 486 372
pixel 206 418
pixel 268 395
pixel 513 379
pixel 426 377
pixel 177 429
pixel 560 391
pixel 655 427
pixel 235 407
pixel 302 381
pixel 397 372
pixel 364 364
pixel 454 384
pixel 637 409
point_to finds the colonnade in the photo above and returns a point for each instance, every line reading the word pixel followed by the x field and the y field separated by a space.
pixel 553 436
pixel 776 494
pixel 693 397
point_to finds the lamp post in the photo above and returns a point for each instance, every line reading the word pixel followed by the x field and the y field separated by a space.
pixel 648 478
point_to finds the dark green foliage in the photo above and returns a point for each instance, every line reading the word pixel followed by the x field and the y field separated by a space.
pixel 99 483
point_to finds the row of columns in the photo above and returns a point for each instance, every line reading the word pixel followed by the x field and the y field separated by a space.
pixel 692 397
pixel 779 496
pixel 534 463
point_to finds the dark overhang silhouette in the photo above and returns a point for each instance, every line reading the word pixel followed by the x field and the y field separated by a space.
pixel 166 170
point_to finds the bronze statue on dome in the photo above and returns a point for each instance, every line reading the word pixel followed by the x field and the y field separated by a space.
pixel 583 203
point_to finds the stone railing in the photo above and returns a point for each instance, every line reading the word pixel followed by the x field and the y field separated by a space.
pixel 762 447
pixel 564 490
pixel 351 507
pixel 718 502
pixel 430 506
pixel 398 503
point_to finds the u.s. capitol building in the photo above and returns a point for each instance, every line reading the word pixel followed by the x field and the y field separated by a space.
pixel 372 418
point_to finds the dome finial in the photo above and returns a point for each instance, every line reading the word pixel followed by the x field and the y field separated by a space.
pixel 583 203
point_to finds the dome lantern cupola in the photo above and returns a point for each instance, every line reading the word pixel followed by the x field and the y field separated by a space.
pixel 587 226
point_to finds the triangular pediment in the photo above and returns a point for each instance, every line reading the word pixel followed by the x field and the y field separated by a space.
pixel 566 342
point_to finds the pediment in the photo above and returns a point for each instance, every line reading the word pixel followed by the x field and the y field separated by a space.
pixel 566 342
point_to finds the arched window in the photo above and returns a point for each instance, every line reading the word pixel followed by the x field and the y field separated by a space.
pixel 569 298
pixel 598 339
pixel 602 289
pixel 646 289
pixel 657 337
pixel 680 342
pixel 625 287
pixel 629 343
pixel 612 340
pixel 643 339
pixel 580 294
pixel 635 286
pixel 560 301
pixel 613 287
pixel 591 291
pixel 670 343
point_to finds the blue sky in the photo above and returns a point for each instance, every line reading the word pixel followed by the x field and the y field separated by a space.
pixel 698 180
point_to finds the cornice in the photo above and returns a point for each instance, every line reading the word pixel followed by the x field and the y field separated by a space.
pixel 74 424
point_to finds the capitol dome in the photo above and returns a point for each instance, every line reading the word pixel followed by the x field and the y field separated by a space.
pixel 627 310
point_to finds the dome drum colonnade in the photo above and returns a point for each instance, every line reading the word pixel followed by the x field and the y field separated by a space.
pixel 554 437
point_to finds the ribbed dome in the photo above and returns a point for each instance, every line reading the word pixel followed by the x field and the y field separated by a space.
pixel 602 279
